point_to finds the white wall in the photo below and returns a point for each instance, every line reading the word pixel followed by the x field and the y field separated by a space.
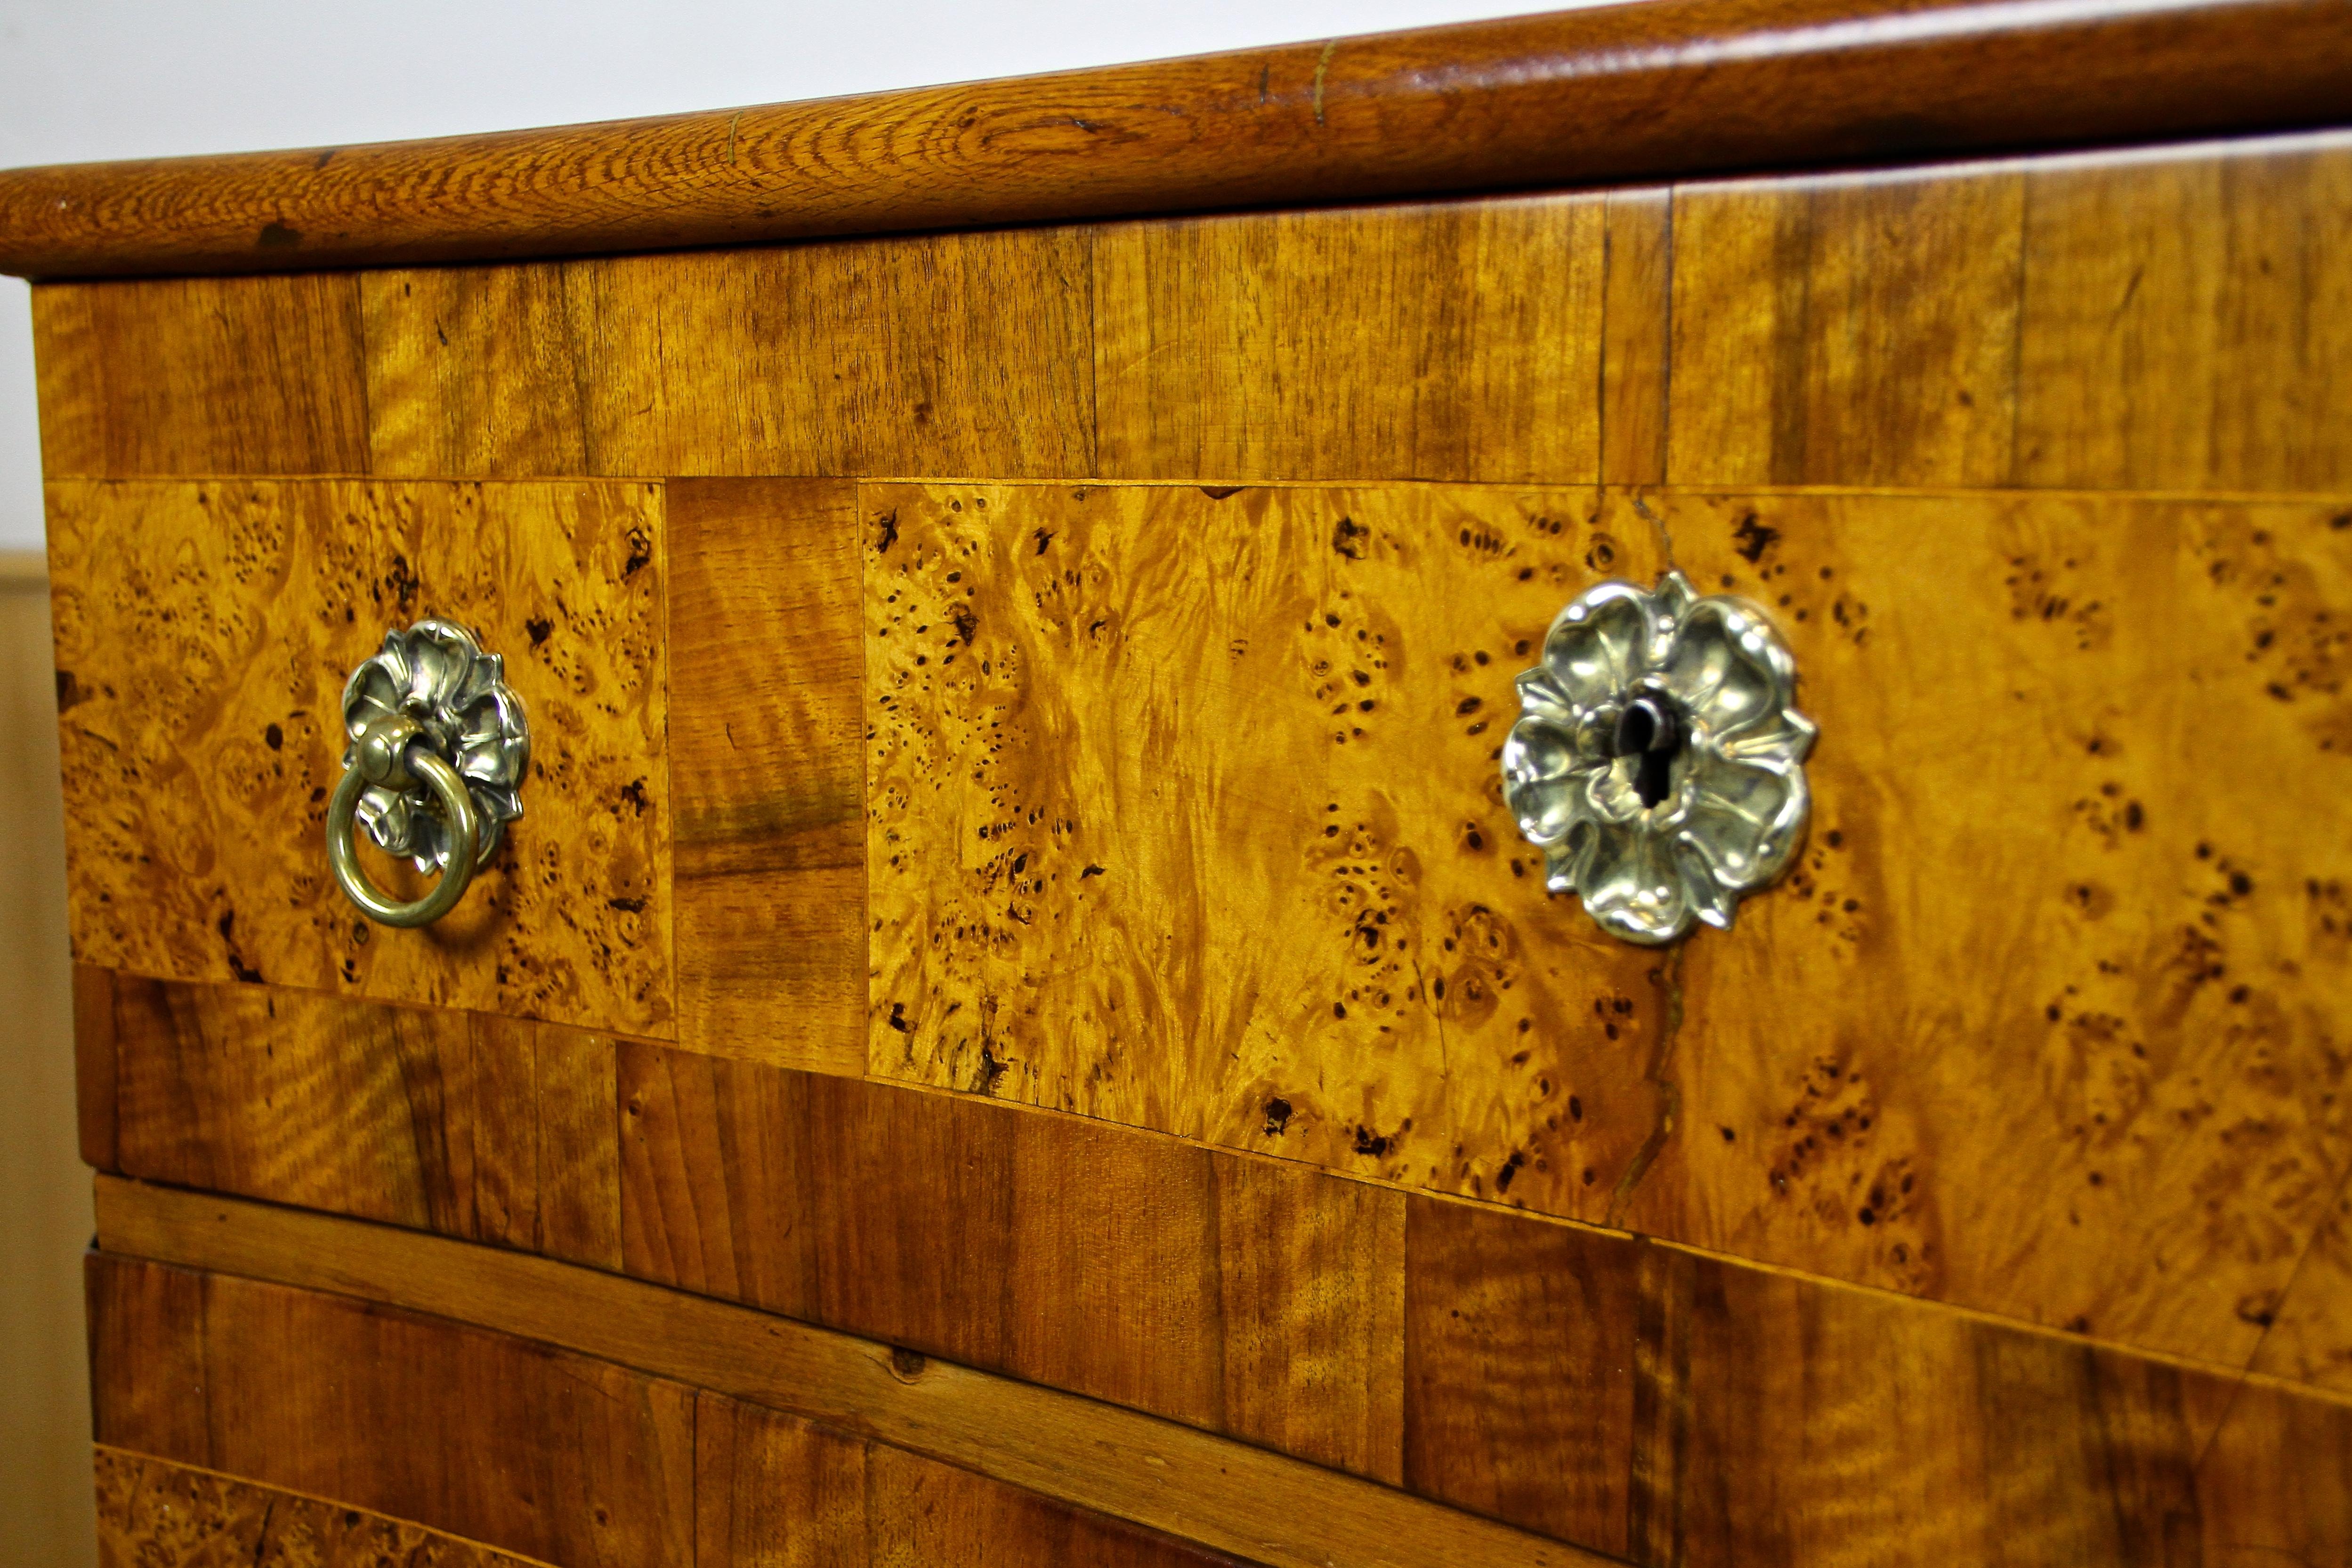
pixel 84 80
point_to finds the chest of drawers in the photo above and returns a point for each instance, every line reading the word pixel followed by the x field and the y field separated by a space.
pixel 1018 1021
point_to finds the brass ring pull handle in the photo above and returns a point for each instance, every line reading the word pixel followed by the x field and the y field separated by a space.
pixel 386 757
pixel 439 747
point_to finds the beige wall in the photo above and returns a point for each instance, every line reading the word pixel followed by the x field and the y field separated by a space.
pixel 45 1207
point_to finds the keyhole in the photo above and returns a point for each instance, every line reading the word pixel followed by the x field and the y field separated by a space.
pixel 1647 731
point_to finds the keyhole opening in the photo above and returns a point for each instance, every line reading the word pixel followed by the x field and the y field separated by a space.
pixel 1648 733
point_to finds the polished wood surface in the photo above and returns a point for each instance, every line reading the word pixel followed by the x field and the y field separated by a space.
pixel 203 634
pixel 2173 320
pixel 1127 737
pixel 1179 797
pixel 530 1312
pixel 1672 87
pixel 156 1514
pixel 946 353
pixel 1986 325
pixel 767 760
pixel 1272 344
pixel 773 1488
pixel 1074 1059
pixel 498 1129
pixel 1720 1413
pixel 1581 1383
pixel 214 375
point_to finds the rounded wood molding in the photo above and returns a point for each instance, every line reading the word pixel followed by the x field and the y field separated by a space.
pixel 1638 92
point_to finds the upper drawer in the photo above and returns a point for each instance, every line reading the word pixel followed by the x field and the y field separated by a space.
pixel 1184 810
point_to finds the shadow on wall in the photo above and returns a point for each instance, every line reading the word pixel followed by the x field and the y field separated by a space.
pixel 44 1193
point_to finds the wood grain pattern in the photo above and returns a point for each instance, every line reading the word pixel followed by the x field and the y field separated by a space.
pixel 766 756
pixel 579 1165
pixel 1520 1386
pixel 2133 1122
pixel 922 1512
pixel 477 1434
pixel 1257 1298
pixel 719 1184
pixel 95 1078
pixel 1589 96
pixel 1165 1476
pixel 203 634
pixel 1855 330
pixel 479 371
pixel 1740 1415
pixel 2189 320
pixel 492 1128
pixel 2309 1339
pixel 957 353
pixel 153 1319
pixel 1452 342
pixel 1270 830
pixel 1311 1287
pixel 1069 1254
pixel 1679 1406
pixel 1637 335
pixel 776 1491
pixel 152 1514
pixel 1207 802
pixel 394 1116
pixel 2275 1486
pixel 210 376
pixel 2170 319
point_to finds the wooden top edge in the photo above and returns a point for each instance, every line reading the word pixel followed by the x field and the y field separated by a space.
pixel 1666 88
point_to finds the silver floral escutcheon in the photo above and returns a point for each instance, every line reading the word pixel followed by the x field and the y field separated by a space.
pixel 439 744
pixel 1659 756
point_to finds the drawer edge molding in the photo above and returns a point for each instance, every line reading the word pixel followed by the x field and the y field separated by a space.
pixel 1223 1493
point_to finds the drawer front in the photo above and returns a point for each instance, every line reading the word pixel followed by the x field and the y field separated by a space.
pixel 1186 812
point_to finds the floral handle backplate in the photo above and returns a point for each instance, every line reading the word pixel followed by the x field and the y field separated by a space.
pixel 436 674
pixel 1659 756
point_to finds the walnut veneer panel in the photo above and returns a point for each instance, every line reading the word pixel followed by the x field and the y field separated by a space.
pixel 1642 1398
pixel 1459 341
pixel 767 646
pixel 2187 320
pixel 204 634
pixel 519 1446
pixel 957 353
pixel 1722 1413
pixel 1855 330
pixel 2173 319
pixel 202 375
pixel 1184 812
pixel 497 1130
pixel 1581 1383
pixel 1158 1474
pixel 156 1514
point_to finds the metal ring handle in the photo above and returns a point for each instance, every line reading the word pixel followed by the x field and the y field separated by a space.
pixel 387 750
